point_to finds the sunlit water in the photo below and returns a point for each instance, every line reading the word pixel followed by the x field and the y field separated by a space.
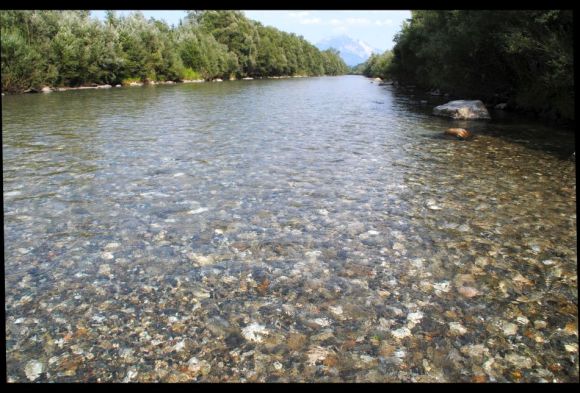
pixel 316 229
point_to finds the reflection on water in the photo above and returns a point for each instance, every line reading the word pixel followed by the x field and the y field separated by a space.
pixel 314 229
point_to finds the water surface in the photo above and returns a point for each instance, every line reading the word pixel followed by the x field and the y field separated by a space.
pixel 313 229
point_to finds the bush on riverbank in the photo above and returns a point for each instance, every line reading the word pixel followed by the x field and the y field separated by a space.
pixel 69 48
pixel 189 74
pixel 524 57
pixel 377 66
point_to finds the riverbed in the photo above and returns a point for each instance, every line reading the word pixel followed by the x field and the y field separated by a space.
pixel 297 230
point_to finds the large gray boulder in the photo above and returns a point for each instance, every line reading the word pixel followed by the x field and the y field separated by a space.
pixel 463 109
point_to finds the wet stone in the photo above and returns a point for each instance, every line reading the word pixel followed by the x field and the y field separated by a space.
pixel 457 328
pixel 468 291
pixel 33 369
pixel 234 340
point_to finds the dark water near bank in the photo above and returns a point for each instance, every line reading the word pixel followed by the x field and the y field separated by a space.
pixel 316 229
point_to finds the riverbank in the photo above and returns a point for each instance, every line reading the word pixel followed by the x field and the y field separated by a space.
pixel 498 103
pixel 49 89
pixel 37 52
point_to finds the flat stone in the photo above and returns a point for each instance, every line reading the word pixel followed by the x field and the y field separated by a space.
pixel 463 109
pixel 468 291
pixel 457 328
pixel 254 332
pixel 33 369
pixel 519 361
pixel 401 333
pixel 317 354
pixel 105 270
pixel 509 329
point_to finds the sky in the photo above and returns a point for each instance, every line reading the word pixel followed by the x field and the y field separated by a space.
pixel 376 28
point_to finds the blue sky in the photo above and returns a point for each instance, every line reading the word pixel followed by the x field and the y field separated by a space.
pixel 376 28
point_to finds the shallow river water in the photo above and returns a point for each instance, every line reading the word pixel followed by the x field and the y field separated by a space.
pixel 313 229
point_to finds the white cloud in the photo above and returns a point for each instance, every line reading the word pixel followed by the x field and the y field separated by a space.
pixel 310 21
pixel 385 22
pixel 298 14
pixel 349 22
pixel 358 21
pixel 340 29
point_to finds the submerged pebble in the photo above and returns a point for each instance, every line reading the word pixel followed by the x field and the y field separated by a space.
pixel 254 332
pixel 33 369
pixel 401 333
pixel 468 291
pixel 457 328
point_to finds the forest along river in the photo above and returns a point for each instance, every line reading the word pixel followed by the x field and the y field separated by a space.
pixel 313 229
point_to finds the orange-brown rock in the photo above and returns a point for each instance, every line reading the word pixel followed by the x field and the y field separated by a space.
pixel 459 133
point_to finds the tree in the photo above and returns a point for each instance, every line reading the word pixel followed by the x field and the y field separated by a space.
pixel 523 56
pixel 70 48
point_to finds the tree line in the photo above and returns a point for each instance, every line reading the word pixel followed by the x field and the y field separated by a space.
pixel 71 48
pixel 523 57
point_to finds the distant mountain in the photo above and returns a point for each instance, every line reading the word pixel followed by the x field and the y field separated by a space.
pixel 352 51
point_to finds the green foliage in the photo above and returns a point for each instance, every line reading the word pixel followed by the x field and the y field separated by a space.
pixel 523 56
pixel 69 48
pixel 358 69
pixel 378 65
pixel 236 32
pixel 263 50
pixel 189 74
pixel 128 81
pixel 203 53
pixel 332 62
pixel 19 59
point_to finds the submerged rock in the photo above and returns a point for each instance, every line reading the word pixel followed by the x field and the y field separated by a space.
pixel 508 328
pixel 468 291
pixel 196 366
pixel 401 333
pixel 105 270
pixel 254 332
pixel 460 133
pixel 33 369
pixel 317 354
pixel 519 361
pixel 463 109
pixel 457 329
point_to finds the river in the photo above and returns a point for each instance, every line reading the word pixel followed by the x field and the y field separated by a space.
pixel 308 229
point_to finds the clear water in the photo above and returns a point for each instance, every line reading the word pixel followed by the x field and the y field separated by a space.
pixel 312 229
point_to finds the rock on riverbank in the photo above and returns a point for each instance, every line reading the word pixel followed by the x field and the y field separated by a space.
pixel 463 109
